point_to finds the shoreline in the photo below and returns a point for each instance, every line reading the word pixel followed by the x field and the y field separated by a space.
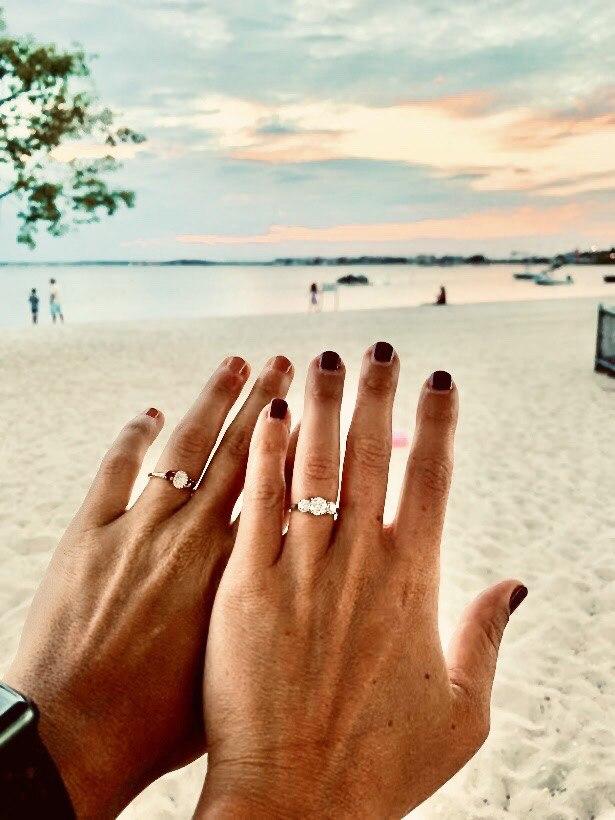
pixel 349 312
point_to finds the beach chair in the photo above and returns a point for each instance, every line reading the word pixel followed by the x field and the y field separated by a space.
pixel 605 341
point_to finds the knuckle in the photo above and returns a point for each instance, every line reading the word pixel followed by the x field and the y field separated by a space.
pixel 376 384
pixel 226 384
pixel 320 468
pixel 441 413
pixel 491 635
pixel 238 444
pixel 137 427
pixel 370 453
pixel 433 474
pixel 270 445
pixel 119 462
pixel 268 384
pixel 325 389
pixel 188 440
pixel 267 494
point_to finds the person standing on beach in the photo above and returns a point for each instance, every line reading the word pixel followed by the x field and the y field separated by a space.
pixel 441 300
pixel 54 301
pixel 314 303
pixel 34 300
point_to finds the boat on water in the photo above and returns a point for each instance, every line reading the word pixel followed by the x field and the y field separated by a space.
pixel 525 274
pixel 353 279
pixel 609 277
pixel 547 279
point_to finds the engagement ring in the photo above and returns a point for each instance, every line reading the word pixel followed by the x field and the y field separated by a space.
pixel 316 506
pixel 178 478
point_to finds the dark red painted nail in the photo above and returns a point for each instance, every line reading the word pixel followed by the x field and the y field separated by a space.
pixel 441 380
pixel 278 409
pixel 519 595
pixel 152 412
pixel 329 360
pixel 383 352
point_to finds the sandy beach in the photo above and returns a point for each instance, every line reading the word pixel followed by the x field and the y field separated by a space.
pixel 532 498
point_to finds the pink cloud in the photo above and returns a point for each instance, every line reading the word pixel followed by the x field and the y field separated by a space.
pixel 466 104
pixel 514 222
pixel 589 115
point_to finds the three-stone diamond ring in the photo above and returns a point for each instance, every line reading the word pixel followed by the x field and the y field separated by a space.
pixel 316 506
pixel 178 478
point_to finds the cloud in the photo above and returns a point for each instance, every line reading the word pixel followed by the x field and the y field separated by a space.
pixel 502 148
pixel 483 225
pixel 591 114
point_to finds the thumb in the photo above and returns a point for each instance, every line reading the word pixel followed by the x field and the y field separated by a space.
pixel 473 652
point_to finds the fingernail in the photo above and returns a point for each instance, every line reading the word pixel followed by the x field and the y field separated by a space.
pixel 441 380
pixel 519 595
pixel 282 364
pixel 237 365
pixel 278 409
pixel 383 352
pixel 152 413
pixel 329 360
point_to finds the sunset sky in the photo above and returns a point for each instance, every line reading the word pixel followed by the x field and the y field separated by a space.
pixel 288 127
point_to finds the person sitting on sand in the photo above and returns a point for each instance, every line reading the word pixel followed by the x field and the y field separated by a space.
pixel 306 660
pixel 441 300
pixel 54 301
pixel 34 302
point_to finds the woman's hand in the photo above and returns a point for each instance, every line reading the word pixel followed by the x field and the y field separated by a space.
pixel 327 693
pixel 112 651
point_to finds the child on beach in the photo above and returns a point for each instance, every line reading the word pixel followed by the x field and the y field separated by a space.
pixel 34 300
pixel 54 301
pixel 314 304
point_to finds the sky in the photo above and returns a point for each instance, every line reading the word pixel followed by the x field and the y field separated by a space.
pixel 329 127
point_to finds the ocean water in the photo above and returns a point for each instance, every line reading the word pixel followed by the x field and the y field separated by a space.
pixel 131 292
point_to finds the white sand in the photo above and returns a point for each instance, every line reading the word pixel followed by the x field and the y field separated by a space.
pixel 532 497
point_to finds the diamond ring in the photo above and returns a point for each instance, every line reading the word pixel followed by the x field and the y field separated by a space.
pixel 178 478
pixel 316 506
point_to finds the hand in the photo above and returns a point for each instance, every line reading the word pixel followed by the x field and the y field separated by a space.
pixel 112 650
pixel 327 693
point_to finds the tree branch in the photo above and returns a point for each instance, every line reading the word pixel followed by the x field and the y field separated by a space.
pixel 7 193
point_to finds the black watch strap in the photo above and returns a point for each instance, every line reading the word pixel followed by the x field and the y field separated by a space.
pixel 30 784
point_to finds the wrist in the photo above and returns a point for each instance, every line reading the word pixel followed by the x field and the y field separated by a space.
pixel 274 791
pixel 79 762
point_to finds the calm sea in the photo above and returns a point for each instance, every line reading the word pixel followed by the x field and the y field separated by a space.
pixel 94 293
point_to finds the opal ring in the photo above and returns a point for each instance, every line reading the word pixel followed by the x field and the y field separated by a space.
pixel 178 478
pixel 316 506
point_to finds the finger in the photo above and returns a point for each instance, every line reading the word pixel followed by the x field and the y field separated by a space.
pixel 420 515
pixel 288 476
pixel 317 459
pixel 224 478
pixel 194 437
pixel 289 465
pixel 473 652
pixel 259 536
pixel 110 492
pixel 368 447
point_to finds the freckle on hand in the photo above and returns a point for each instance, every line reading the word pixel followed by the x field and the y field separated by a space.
pixel 427 676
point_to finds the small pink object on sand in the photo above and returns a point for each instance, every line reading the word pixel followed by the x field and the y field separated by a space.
pixel 400 438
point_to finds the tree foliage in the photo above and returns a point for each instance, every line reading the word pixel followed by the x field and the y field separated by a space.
pixel 46 102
